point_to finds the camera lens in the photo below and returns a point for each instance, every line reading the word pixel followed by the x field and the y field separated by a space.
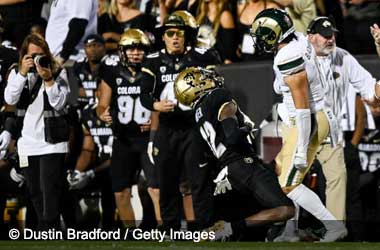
pixel 43 61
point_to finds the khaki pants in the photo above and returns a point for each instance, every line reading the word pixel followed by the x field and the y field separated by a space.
pixel 290 177
pixel 334 169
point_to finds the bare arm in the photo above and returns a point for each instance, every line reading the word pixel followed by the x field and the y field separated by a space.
pixel 360 121
pixel 85 156
pixel 105 94
pixel 284 3
pixel 10 2
pixel 299 88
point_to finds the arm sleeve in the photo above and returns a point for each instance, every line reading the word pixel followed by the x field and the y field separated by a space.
pixel 77 27
pixel 59 91
pixel 14 87
pixel 360 78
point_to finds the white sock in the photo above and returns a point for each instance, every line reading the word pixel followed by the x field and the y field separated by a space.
pixel 310 201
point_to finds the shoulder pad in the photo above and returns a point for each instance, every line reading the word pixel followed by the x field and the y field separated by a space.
pixel 82 59
pixel 148 71
pixel 153 55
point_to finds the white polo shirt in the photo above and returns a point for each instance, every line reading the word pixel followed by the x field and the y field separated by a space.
pixel 61 12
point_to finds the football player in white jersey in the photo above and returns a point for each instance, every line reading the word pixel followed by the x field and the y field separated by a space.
pixel 307 124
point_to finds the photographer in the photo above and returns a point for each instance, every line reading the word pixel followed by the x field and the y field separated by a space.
pixel 39 89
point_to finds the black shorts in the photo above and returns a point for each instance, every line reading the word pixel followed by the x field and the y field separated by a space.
pixel 128 159
pixel 252 179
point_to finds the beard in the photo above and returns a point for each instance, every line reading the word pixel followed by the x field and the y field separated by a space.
pixel 327 50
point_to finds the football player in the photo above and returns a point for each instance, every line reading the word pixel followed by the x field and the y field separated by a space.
pixel 120 105
pixel 225 128
pixel 173 139
pixel 307 124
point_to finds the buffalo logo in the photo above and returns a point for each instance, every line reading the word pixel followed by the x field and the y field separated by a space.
pixel 190 79
pixel 89 123
pixel 162 69
pixel 132 79
pixel 81 76
pixel 119 81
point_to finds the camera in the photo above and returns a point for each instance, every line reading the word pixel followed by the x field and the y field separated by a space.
pixel 42 60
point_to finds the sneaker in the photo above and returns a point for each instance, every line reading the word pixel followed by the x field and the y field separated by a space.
pixel 335 233
pixel 287 238
pixel 222 231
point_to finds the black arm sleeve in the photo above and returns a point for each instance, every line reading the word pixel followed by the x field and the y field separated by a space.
pixel 77 28
pixel 147 88
pixel 232 131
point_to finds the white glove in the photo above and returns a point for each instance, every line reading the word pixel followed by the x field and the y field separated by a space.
pixel 16 177
pixel 5 139
pixel 78 179
pixel 150 152
pixel 222 182
pixel 300 160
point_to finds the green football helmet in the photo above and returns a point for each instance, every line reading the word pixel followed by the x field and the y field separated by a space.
pixel 271 27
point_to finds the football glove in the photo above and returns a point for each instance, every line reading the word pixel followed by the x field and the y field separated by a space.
pixel 5 140
pixel 222 182
pixel 78 179
pixel 17 177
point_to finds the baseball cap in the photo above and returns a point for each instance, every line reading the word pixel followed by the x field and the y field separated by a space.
pixel 93 38
pixel 322 25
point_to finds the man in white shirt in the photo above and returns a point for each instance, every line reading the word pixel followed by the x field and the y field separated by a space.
pixel 69 23
pixel 338 70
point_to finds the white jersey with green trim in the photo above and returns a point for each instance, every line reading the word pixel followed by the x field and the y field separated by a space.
pixel 296 56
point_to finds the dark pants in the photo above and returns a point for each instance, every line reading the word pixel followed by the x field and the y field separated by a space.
pixel 354 205
pixel 173 156
pixel 44 179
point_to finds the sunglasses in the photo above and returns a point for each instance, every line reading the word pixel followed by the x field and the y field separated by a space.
pixel 178 33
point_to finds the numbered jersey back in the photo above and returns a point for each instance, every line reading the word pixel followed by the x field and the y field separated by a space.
pixel 126 108
pixel 100 132
pixel 206 117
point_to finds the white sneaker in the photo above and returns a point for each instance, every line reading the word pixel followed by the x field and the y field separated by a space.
pixel 287 238
pixel 335 233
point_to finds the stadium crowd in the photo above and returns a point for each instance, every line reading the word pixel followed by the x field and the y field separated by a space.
pixel 98 96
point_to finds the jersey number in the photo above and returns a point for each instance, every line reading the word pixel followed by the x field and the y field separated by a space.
pixel 104 149
pixel 131 109
pixel 208 134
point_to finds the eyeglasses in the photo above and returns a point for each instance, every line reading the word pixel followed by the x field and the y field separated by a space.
pixel 178 33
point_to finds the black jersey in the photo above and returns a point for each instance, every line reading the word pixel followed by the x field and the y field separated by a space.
pixel 86 80
pixel 126 109
pixel 99 130
pixel 206 117
pixel 166 68
pixel 369 151
pixel 8 56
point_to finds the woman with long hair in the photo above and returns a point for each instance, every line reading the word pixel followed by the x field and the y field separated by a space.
pixel 121 16
pixel 216 14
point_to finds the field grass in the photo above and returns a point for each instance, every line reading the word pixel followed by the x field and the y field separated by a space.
pixel 100 245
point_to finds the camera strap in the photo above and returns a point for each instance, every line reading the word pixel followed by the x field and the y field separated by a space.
pixel 34 91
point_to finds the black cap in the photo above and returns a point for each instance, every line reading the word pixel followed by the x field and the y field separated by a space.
pixel 93 38
pixel 322 25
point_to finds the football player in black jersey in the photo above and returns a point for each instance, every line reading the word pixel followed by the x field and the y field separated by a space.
pixel 225 128
pixel 119 104
pixel 98 138
pixel 86 69
pixel 172 142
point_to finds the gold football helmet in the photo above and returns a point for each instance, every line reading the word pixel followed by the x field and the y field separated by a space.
pixel 132 38
pixel 193 82
pixel 187 18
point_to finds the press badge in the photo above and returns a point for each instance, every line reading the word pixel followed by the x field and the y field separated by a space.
pixel 23 161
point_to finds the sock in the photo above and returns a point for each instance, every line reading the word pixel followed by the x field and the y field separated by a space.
pixel 310 201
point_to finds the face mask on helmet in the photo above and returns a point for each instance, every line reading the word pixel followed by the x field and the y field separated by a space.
pixel 132 47
pixel 194 82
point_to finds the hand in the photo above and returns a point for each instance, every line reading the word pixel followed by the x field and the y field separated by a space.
pixel 375 31
pixel 150 152
pixel 374 102
pixel 164 106
pixel 106 116
pixel 222 182
pixel 300 160
pixel 27 63
pixel 5 140
pixel 78 179
pixel 17 177
pixel 45 73
pixel 60 61
pixel 145 126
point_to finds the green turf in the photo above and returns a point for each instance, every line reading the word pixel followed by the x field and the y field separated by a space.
pixel 100 245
